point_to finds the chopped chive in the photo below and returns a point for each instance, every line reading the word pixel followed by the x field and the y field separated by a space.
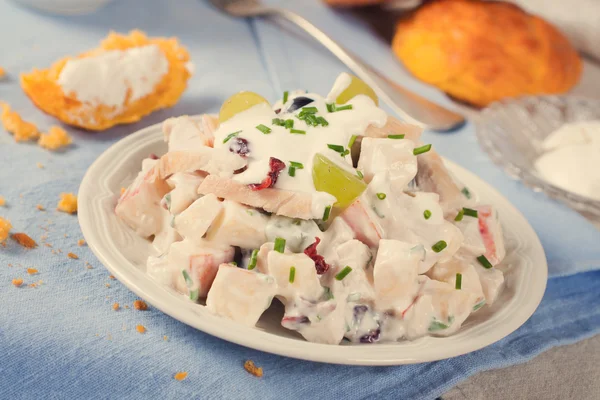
pixel 484 262
pixel 460 215
pixel 264 129
pixel 466 192
pixel 470 212
pixel 311 120
pixel 326 213
pixel 298 131
pixel 376 211
pixel 422 149
pixel 345 153
pixel 343 108
pixel 359 174
pixel 168 201
pixel 285 96
pixel 458 285
pixel 351 142
pixel 439 246
pixel 343 273
pixel 289 124
pixel 292 274
pixel 331 107
pixel 279 245
pixel 381 196
pixel 309 110
pixel 479 305
pixel 278 121
pixel 233 263
pixel 336 147
pixel 297 165
pixel 322 121
pixel 194 294
pixel 250 212
pixel 188 280
pixel 292 171
pixel 427 214
pixel 437 326
pixel 327 293
pixel 253 259
pixel 396 136
pixel 231 135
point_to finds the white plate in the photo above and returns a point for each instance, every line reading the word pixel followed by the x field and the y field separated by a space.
pixel 124 254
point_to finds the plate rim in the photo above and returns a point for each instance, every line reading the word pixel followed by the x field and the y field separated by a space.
pixel 229 330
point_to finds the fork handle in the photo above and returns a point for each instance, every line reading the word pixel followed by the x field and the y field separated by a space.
pixel 409 106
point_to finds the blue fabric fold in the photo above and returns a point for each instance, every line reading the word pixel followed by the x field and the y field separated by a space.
pixel 63 340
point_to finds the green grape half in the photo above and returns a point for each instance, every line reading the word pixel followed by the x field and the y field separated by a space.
pixel 239 102
pixel 355 88
pixel 328 177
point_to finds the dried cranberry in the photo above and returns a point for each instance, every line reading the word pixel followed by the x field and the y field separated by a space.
pixel 371 337
pixel 320 263
pixel 153 156
pixel 239 146
pixel 275 167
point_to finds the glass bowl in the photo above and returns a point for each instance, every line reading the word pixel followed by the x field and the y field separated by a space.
pixel 512 131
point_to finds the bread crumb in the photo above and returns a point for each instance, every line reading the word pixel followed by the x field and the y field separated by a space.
pixel 140 305
pixel 73 256
pixel 32 271
pixel 40 207
pixel 13 123
pixel 2 201
pixel 80 242
pixel 24 240
pixel 140 328
pixel 32 285
pixel 67 203
pixel 4 229
pixel 17 282
pixel 165 338
pixel 180 376
pixel 116 306
pixel 107 285
pixel 89 266
pixel 40 165
pixel 2 73
pixel 253 369
pixel 55 139
pixel 123 191
pixel 111 277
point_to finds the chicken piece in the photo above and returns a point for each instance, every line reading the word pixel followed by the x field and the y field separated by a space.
pixel 194 266
pixel 238 225
pixel 298 233
pixel 364 221
pixel 305 282
pixel 210 123
pixel 394 156
pixel 139 206
pixel 167 234
pixel 281 202
pixel 359 282
pixel 262 257
pixel 193 222
pixel 447 272
pixel 395 127
pixel 184 193
pixel 321 322
pixel 183 134
pixel 337 233
pixel 395 275
pixel 433 176
pixel 217 162
pixel 491 283
pixel 240 295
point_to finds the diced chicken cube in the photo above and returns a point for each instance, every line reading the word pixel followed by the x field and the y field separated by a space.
pixel 193 223
pixel 491 283
pixel 139 206
pixel 183 133
pixel 364 221
pixel 359 282
pixel 298 233
pixel 200 262
pixel 395 127
pixel 218 162
pixel 238 225
pixel 337 233
pixel 392 156
pixel 322 322
pixel 185 191
pixel 483 235
pixel 305 280
pixel 262 257
pixel 395 274
pixel 167 235
pixel 240 295
pixel 447 272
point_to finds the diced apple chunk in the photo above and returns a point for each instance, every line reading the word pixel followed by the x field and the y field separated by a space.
pixel 305 281
pixel 447 272
pixel 363 221
pixel 391 156
pixel 358 283
pixel 197 218
pixel 240 295
pixel 200 262
pixel 238 225
pixel 185 191
pixel 491 283
pixel 337 233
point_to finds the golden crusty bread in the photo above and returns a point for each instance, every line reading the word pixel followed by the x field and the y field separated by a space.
pixel 480 52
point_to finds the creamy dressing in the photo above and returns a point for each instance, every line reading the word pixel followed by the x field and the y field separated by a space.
pixel 378 272
pixel 113 77
pixel 572 158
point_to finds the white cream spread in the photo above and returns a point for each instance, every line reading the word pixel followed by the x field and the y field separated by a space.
pixel 572 158
pixel 112 77
pixel 389 266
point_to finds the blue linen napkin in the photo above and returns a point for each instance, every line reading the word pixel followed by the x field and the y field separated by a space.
pixel 62 339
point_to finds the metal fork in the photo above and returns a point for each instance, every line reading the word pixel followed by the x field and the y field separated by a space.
pixel 408 105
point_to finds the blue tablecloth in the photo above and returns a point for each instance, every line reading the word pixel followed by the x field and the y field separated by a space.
pixel 63 340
